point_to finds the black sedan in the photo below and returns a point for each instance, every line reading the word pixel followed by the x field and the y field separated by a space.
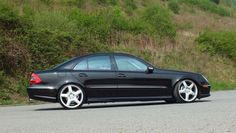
pixel 110 77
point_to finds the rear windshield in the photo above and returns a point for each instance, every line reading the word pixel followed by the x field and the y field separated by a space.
pixel 66 64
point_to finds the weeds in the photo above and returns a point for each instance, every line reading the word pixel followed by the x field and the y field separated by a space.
pixel 173 6
pixel 160 19
pixel 207 5
pixel 222 43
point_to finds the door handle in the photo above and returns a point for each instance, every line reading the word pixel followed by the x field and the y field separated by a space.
pixel 121 75
pixel 83 75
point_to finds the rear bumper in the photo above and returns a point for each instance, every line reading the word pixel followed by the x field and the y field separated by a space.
pixel 42 93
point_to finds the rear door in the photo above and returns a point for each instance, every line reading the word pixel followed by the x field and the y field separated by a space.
pixel 97 74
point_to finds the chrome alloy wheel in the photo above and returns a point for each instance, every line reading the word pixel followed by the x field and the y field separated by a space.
pixel 71 96
pixel 187 90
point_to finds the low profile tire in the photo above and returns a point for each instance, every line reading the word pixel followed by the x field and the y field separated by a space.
pixel 185 91
pixel 71 96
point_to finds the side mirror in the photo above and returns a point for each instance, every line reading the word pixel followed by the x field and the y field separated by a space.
pixel 150 69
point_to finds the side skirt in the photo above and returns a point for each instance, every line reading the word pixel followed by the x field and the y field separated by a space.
pixel 126 99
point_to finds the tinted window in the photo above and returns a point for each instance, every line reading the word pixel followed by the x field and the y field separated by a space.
pixel 94 63
pixel 99 63
pixel 129 64
pixel 82 65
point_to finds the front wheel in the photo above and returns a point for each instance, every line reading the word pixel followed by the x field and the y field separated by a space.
pixel 71 96
pixel 186 91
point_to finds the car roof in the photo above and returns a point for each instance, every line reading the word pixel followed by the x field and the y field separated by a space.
pixel 108 53
pixel 75 59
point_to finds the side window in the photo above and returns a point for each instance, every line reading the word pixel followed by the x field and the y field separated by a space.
pixel 129 64
pixel 94 63
pixel 82 65
pixel 99 63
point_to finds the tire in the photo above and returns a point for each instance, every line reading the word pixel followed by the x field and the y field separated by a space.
pixel 185 91
pixel 71 96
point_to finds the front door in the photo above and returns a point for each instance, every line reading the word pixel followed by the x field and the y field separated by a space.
pixel 134 80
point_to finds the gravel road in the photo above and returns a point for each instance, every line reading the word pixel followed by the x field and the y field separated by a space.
pixel 216 114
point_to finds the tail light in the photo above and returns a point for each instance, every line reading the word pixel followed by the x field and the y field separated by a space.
pixel 35 79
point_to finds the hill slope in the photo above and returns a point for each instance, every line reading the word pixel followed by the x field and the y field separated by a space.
pixel 38 34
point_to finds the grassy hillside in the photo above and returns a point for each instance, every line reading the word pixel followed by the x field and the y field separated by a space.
pixel 190 35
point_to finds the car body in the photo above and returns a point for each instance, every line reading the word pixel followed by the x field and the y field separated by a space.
pixel 110 77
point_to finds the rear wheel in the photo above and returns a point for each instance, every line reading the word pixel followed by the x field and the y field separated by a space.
pixel 185 91
pixel 71 96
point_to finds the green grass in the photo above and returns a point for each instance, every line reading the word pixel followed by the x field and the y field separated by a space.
pixel 174 6
pixel 160 19
pixel 216 85
pixel 207 5
pixel 220 42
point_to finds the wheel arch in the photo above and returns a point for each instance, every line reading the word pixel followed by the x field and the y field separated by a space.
pixel 176 81
pixel 74 83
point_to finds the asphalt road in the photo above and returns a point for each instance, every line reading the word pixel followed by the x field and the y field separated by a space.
pixel 216 114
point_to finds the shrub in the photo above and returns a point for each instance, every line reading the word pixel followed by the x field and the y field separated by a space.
pixel 173 6
pixel 80 3
pixel 53 21
pixel 11 21
pixel 130 4
pixel 8 17
pixel 206 5
pixel 100 24
pixel 48 2
pixel 14 58
pixel 1 78
pixel 222 42
pixel 230 3
pixel 91 25
pixel 22 85
pixel 45 48
pixel 216 1
pixel 161 21
pixel 5 92
pixel 106 2
pixel 118 20
pixel 139 26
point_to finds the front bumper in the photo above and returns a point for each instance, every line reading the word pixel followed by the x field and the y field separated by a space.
pixel 42 93
pixel 205 91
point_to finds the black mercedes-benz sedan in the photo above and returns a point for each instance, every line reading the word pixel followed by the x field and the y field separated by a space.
pixel 110 77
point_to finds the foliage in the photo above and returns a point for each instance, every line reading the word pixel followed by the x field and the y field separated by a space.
pixel 173 6
pixel 216 1
pixel 229 3
pixel 9 17
pixel 185 26
pixel 222 85
pixel 130 4
pixel 45 48
pixel 161 21
pixel 106 2
pixel 222 43
pixel 48 2
pixel 5 94
pixel 206 5
pixel 1 78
